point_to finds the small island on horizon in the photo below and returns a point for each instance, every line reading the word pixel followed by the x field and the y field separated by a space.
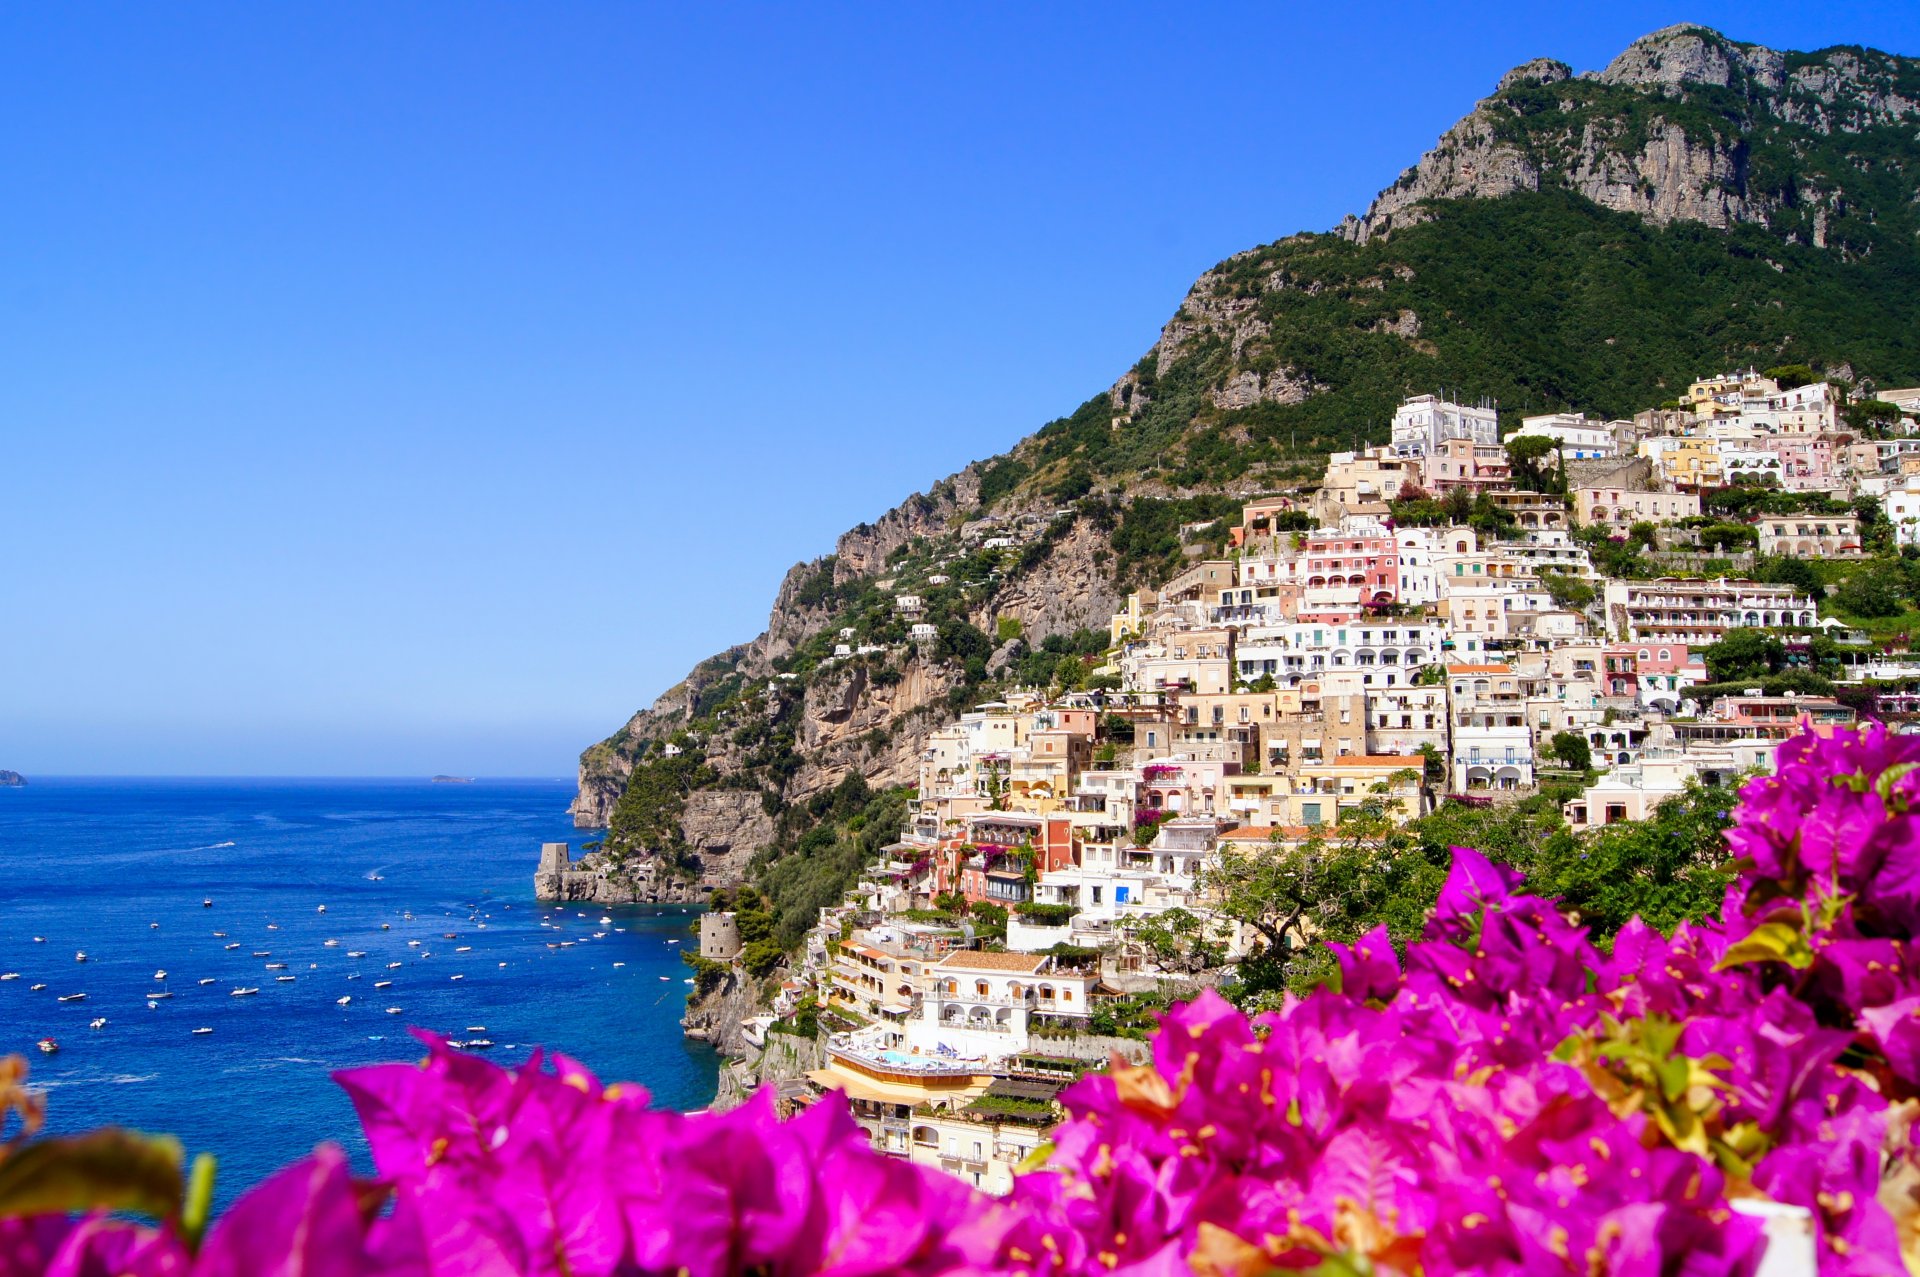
pixel 11 780
pixel 437 780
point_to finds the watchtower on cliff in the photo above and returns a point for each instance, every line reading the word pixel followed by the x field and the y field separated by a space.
pixel 554 858
pixel 719 936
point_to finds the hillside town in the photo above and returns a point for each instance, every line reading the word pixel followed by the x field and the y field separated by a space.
pixel 1435 623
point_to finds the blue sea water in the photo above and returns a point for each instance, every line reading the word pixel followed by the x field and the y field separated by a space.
pixel 91 865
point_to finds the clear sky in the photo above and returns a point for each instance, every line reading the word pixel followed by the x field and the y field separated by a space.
pixel 418 388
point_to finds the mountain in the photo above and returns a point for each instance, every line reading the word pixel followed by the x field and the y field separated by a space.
pixel 1591 241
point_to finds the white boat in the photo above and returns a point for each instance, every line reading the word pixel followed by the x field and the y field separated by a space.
pixel 219 935
pixel 160 994
pixel 465 948
pixel 329 944
pixel 242 993
pixel 276 966
pixel 666 977
pixel 413 944
pixel 153 926
pixel 206 904
pixel 198 1032
pixel 393 1010
pixel 476 1028
pixel 618 965
pixel 456 976
pixel 47 1046
pixel 673 942
pixel 605 921
pixel 356 953
pixel 152 1005
pixel 71 997
pixel 9 975
pixel 322 909
pixel 263 953
pixel 688 980
pixel 383 984
pixel 81 956
pixel 234 945
pixel 160 974
pixel 208 980
pixel 393 966
pixel 386 926
pixel 39 939
pixel 273 926
pixel 100 1023
pixel 284 979
pixel 340 1002
pixel 35 988
pixel 477 1044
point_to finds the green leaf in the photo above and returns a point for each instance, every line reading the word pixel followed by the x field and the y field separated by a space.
pixel 199 1205
pixel 108 1169
pixel 1769 942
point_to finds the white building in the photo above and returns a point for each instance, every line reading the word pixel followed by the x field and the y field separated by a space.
pixel 978 1005
pixel 1424 422
pixel 1579 436
pixel 1902 507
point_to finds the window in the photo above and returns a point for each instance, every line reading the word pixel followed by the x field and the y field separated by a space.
pixel 1096 894
pixel 1310 813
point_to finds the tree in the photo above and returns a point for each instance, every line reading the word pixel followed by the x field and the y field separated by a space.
pixel 1665 870
pixel 1643 534
pixel 1181 940
pixel 1778 569
pixel 1728 536
pixel 1526 454
pixel 1338 884
pixel 1791 376
pixel 1744 654
pixel 1572 749
pixel 1569 592
pixel 1875 588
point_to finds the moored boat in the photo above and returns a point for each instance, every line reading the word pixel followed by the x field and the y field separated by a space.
pixel 47 1046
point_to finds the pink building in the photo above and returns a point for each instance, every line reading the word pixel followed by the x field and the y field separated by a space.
pixel 1464 463
pixel 1369 563
pixel 1806 462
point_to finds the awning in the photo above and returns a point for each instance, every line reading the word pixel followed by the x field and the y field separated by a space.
pixel 876 1091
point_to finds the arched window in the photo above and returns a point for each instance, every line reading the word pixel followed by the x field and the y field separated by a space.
pixel 1665 654
pixel 980 988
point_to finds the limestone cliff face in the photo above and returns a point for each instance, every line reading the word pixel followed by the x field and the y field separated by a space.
pixel 1667 132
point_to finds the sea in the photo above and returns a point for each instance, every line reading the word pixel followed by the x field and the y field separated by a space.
pixel 238 884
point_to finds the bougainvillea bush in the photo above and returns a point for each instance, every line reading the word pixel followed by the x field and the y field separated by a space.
pixel 1504 1099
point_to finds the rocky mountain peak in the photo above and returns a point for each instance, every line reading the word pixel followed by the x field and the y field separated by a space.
pixel 1686 54
pixel 1669 131
pixel 1538 71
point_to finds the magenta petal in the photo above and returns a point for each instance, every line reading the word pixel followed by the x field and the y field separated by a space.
pixel 303 1222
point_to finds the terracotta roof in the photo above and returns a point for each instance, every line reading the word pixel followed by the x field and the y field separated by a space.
pixel 979 960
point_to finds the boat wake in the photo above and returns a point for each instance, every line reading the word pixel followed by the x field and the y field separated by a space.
pixel 216 846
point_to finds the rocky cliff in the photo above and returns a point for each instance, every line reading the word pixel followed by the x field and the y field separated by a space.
pixel 12 779
pixel 1685 125
pixel 1577 240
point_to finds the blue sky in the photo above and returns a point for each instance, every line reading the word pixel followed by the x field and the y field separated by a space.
pixel 415 388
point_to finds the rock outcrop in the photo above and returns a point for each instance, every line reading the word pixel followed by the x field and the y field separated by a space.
pixel 12 780
pixel 601 879
pixel 1666 132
